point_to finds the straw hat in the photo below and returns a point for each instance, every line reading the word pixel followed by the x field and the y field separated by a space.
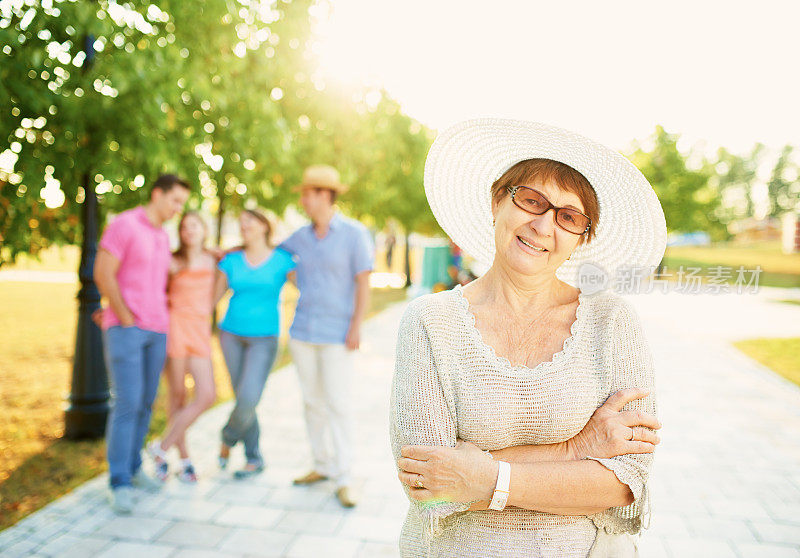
pixel 321 176
pixel 467 158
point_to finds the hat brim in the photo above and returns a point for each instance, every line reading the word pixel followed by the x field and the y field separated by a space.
pixel 338 188
pixel 466 159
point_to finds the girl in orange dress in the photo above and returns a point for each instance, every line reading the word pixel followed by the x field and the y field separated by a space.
pixel 188 341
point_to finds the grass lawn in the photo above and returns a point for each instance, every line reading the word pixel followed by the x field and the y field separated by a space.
pixel 778 269
pixel 36 346
pixel 780 354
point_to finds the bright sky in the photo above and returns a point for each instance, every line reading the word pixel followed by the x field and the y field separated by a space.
pixel 723 72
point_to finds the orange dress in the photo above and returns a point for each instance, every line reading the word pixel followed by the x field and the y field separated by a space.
pixel 189 295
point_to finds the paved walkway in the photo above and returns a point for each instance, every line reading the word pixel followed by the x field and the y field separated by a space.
pixel 726 481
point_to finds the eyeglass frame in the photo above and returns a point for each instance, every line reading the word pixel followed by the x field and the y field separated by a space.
pixel 513 191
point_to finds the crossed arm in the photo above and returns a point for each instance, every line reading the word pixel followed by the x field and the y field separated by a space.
pixel 554 478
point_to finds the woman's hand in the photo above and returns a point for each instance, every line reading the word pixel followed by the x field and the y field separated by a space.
pixel 460 474
pixel 612 432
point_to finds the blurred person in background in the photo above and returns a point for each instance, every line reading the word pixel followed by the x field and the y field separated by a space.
pixel 131 272
pixel 255 275
pixel 189 294
pixel 335 258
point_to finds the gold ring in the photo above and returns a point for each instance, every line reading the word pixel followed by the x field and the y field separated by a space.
pixel 419 483
pixel 633 434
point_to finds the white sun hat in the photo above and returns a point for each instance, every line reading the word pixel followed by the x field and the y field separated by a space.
pixel 467 158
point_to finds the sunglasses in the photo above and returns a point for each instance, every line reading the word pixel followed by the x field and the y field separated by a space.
pixel 532 201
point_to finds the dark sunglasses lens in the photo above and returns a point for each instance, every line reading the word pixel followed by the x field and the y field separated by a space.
pixel 530 200
pixel 573 221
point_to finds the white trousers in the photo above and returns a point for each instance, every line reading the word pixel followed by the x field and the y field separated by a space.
pixel 325 372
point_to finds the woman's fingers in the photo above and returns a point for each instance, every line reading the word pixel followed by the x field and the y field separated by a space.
pixel 420 453
pixel 411 479
pixel 640 418
pixel 616 401
pixel 412 465
pixel 639 447
pixel 645 435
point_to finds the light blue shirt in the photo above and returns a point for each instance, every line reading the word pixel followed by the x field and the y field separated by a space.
pixel 253 308
pixel 326 278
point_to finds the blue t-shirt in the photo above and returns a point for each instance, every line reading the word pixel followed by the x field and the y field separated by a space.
pixel 253 310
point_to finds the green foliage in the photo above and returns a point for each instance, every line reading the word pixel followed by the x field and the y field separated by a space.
pixel 685 194
pixel 733 178
pixel 109 94
pixel 784 192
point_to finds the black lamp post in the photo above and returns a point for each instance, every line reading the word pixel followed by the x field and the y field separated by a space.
pixel 88 400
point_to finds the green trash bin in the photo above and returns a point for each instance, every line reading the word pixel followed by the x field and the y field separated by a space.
pixel 435 261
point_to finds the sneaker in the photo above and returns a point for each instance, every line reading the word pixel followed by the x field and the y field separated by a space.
pixel 159 460
pixel 122 500
pixel 223 459
pixel 145 482
pixel 310 478
pixel 250 470
pixel 188 474
pixel 345 497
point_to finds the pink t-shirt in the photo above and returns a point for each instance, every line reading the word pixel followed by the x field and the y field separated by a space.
pixel 143 253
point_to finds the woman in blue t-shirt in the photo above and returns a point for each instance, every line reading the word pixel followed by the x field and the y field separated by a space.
pixel 249 330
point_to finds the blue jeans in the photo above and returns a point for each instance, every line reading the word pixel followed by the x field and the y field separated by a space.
pixel 135 358
pixel 249 361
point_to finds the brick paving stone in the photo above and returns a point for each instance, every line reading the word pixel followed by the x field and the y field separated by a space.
pixel 73 546
pixel 136 550
pixel 316 523
pixel 185 533
pixel 765 550
pixel 135 528
pixel 369 528
pixel 188 510
pixel 240 493
pixel 651 546
pixel 314 546
pixel 378 550
pixel 777 532
pixel 200 553
pixel 257 542
pixel 700 547
pixel 256 517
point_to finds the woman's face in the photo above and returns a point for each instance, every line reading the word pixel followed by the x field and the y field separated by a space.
pixel 533 244
pixel 193 231
pixel 251 228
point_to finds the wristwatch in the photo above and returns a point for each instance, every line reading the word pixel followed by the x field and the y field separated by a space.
pixel 500 496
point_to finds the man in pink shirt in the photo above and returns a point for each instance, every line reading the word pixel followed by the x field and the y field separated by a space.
pixel 131 271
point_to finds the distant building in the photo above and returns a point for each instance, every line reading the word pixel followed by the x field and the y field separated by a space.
pixel 755 230
pixel 791 232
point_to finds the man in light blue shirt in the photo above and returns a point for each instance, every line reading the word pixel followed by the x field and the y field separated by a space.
pixel 334 259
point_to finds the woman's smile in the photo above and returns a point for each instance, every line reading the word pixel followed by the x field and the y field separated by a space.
pixel 531 247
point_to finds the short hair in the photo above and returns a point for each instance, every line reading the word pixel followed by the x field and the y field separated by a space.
pixel 547 170
pixel 167 182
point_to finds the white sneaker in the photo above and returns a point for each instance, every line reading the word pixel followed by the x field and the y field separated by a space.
pixel 122 500
pixel 145 482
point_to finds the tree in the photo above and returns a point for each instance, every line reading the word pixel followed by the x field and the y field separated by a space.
pixel 783 187
pixel 733 177
pixel 688 201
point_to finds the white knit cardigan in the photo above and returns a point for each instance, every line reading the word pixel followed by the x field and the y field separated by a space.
pixel 449 384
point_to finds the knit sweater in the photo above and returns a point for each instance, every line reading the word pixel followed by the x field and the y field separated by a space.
pixel 450 384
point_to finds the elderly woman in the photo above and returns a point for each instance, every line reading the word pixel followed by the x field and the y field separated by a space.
pixel 523 414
